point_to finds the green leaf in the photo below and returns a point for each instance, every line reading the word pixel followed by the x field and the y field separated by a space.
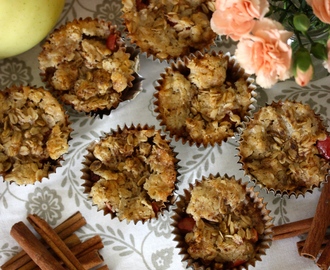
pixel 90 227
pixel 119 248
pixel 70 192
pixel 100 228
pixel 199 173
pixel 206 165
pixel 276 200
pixel 77 200
pixel 319 51
pixel 132 239
pixel 5 203
pixel 108 242
pixel 212 158
pixel 110 230
pixel 126 253
pixel 4 246
pixel 191 162
pixel 121 235
pixel 322 95
pixel 87 204
pixel 197 156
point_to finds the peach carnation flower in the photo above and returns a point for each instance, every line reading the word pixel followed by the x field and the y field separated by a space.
pixel 236 18
pixel 266 52
pixel 321 9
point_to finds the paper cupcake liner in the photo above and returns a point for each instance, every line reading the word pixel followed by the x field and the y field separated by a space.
pixel 186 118
pixel 179 213
pixel 134 81
pixel 315 165
pixel 90 178
pixel 152 49
pixel 25 163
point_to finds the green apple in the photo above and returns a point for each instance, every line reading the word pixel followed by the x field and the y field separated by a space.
pixel 24 23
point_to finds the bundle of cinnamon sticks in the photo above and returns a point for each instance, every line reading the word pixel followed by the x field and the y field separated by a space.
pixel 316 246
pixel 58 248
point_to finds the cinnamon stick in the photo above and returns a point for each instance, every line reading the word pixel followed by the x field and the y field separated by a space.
pixel 30 243
pixel 17 261
pixel 94 243
pixel 91 259
pixel 292 229
pixel 64 230
pixel 324 260
pixel 28 264
pixel 55 242
pixel 78 249
pixel 301 244
pixel 69 226
pixel 319 225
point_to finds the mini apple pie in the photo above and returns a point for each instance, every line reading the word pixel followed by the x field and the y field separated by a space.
pixel 204 100
pixel 169 29
pixel 87 65
pixel 278 148
pixel 219 223
pixel 131 173
pixel 34 134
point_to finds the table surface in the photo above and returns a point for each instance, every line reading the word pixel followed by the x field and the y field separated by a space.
pixel 149 245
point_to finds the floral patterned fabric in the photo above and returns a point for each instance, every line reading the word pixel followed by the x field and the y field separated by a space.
pixel 149 245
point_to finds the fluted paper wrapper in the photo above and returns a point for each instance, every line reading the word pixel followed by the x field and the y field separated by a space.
pixel 134 81
pixel 263 242
pixel 180 115
pixel 90 178
pixel 291 151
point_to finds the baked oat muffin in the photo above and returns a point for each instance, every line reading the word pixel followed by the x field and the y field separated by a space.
pixel 131 173
pixel 169 29
pixel 87 65
pixel 34 134
pixel 220 223
pixel 203 100
pixel 278 148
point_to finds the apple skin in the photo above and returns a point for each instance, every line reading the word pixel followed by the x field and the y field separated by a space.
pixel 24 23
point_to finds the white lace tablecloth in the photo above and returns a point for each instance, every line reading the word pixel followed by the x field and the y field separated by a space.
pixel 149 245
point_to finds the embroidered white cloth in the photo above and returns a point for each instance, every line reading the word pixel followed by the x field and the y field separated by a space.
pixel 149 245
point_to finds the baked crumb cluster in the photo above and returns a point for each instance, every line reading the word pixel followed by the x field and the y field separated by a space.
pixel 169 29
pixel 228 224
pixel 34 134
pixel 135 171
pixel 278 147
pixel 200 103
pixel 86 64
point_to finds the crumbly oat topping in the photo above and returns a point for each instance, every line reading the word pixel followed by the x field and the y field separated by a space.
pixel 200 103
pixel 228 223
pixel 278 147
pixel 34 134
pixel 136 172
pixel 169 29
pixel 86 64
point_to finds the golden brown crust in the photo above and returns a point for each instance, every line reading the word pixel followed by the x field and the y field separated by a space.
pixel 135 169
pixel 278 148
pixel 229 227
pixel 85 62
pixel 169 29
pixel 199 102
pixel 34 134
